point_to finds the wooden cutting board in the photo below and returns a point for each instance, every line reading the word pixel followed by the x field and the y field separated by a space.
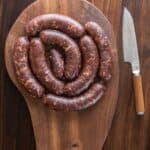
pixel 84 130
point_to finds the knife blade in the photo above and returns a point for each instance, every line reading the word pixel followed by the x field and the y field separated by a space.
pixel 130 53
pixel 130 49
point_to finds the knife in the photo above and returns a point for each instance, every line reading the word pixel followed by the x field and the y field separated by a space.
pixel 130 52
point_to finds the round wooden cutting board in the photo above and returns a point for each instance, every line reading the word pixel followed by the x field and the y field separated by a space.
pixel 83 130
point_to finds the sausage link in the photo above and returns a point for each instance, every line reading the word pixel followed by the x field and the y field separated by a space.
pixel 86 100
pixel 105 49
pixel 57 63
pixel 23 72
pixel 41 69
pixel 56 22
pixel 90 67
pixel 71 50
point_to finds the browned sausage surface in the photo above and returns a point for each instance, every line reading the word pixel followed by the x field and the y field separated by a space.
pixel 41 69
pixel 57 63
pixel 103 43
pixel 71 50
pixel 90 67
pixel 86 100
pixel 56 22
pixel 62 62
pixel 23 71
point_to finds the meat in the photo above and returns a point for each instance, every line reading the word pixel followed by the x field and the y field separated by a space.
pixel 103 43
pixel 70 48
pixel 65 64
pixel 57 63
pixel 41 69
pixel 89 67
pixel 86 100
pixel 23 71
pixel 55 22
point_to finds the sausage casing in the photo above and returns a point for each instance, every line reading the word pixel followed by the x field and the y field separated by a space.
pixel 63 63
pixel 56 22
pixel 89 69
pixel 89 98
pixel 71 50
pixel 23 71
pixel 103 43
pixel 41 69
pixel 57 63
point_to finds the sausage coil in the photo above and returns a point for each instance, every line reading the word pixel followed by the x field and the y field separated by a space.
pixel 57 63
pixel 55 22
pixel 103 43
pixel 62 62
pixel 71 50
pixel 23 71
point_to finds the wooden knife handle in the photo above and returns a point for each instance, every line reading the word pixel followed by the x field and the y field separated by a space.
pixel 139 96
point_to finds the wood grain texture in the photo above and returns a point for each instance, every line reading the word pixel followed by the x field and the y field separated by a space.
pixel 67 130
pixel 138 93
pixel 128 132
pixel 13 110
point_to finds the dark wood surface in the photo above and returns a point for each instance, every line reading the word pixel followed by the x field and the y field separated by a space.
pixel 128 131
pixel 67 130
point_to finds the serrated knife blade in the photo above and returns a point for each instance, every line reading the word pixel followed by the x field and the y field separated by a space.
pixel 130 52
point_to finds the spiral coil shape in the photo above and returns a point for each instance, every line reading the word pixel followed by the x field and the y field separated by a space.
pixel 62 62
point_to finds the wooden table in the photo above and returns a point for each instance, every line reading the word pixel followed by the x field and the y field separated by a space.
pixel 128 131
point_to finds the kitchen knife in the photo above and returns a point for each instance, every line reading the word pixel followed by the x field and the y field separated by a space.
pixel 131 56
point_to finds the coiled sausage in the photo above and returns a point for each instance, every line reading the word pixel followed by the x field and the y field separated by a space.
pixel 87 99
pixel 56 22
pixel 104 46
pixel 41 69
pixel 57 63
pixel 71 63
pixel 23 72
pixel 90 67
pixel 71 50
